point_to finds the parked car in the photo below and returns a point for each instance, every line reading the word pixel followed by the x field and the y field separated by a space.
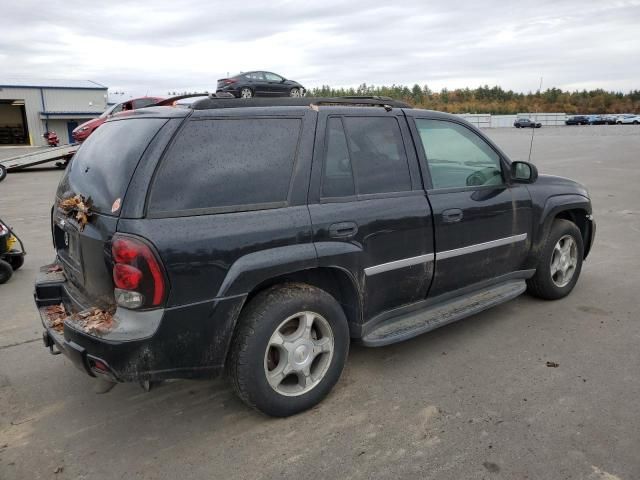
pixel 610 119
pixel 596 120
pixel 81 132
pixel 526 123
pixel 629 119
pixel 260 84
pixel 577 120
pixel 265 257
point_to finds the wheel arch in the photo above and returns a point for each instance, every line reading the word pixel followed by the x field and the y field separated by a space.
pixel 574 208
pixel 581 218
pixel 336 281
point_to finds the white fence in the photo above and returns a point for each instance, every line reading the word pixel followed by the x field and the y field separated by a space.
pixel 486 120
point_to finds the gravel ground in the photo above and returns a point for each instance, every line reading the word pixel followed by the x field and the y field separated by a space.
pixel 472 400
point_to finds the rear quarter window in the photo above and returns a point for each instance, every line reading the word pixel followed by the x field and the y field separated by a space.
pixel 104 164
pixel 227 164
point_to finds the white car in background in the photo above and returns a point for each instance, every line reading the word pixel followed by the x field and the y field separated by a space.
pixel 628 119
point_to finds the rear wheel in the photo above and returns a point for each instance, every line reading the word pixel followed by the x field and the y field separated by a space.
pixel 246 92
pixel 3 172
pixel 289 349
pixel 560 262
pixel 5 271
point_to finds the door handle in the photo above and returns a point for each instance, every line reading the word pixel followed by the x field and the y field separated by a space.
pixel 452 215
pixel 343 230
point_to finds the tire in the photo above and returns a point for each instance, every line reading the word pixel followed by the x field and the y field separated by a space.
pixel 246 92
pixel 295 92
pixel 5 272
pixel 552 286
pixel 3 172
pixel 16 261
pixel 635 122
pixel 253 355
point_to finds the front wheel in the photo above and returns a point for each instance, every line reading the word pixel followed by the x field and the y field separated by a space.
pixel 289 349
pixel 560 262
pixel 3 172
pixel 295 92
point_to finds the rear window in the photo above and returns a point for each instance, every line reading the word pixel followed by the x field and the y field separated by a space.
pixel 104 164
pixel 227 164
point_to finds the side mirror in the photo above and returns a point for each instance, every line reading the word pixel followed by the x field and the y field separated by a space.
pixel 523 172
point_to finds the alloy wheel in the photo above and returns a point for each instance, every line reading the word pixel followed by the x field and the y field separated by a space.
pixel 564 261
pixel 299 353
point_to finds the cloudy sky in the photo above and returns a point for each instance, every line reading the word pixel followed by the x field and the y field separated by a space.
pixel 157 46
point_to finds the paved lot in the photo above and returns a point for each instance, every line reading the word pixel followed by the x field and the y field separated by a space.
pixel 471 400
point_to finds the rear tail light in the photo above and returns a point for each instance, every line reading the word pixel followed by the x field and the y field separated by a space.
pixel 138 274
pixel 229 81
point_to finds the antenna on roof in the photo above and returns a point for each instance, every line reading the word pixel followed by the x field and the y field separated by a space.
pixel 535 117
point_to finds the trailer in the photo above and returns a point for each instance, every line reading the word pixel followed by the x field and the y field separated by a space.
pixel 61 155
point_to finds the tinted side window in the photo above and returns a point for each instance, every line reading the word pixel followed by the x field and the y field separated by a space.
pixel 254 76
pixel 227 162
pixel 338 177
pixel 377 154
pixel 458 157
pixel 272 77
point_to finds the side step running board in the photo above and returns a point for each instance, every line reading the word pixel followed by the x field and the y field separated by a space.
pixel 397 329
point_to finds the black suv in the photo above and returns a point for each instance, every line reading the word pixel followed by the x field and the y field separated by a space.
pixel 261 236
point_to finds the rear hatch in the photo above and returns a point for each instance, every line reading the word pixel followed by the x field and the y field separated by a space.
pixel 99 174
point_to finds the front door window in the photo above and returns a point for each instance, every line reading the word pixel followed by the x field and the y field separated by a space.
pixel 458 157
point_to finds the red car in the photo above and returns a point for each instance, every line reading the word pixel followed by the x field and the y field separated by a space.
pixel 81 132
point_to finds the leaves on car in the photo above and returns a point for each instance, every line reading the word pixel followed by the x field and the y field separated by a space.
pixel 94 320
pixel 77 207
pixel 56 314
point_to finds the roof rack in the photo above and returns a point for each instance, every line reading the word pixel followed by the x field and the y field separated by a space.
pixel 217 102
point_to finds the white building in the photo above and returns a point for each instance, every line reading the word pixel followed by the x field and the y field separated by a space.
pixel 30 108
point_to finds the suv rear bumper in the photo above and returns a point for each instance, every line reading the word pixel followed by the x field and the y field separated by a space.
pixel 186 342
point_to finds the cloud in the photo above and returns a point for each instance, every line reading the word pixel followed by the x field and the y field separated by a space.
pixel 154 47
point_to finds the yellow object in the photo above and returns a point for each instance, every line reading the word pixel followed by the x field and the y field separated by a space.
pixel 11 242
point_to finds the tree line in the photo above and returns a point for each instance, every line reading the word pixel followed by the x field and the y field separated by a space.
pixel 495 100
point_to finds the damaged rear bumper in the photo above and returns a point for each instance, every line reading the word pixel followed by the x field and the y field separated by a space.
pixel 178 342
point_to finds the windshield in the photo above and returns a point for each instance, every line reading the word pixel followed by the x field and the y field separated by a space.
pixel 103 166
pixel 108 111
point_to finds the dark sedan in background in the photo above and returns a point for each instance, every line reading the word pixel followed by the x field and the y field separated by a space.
pixel 260 84
pixel 577 120
pixel 526 123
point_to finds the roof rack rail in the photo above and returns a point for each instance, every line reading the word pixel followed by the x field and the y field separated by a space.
pixel 217 102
